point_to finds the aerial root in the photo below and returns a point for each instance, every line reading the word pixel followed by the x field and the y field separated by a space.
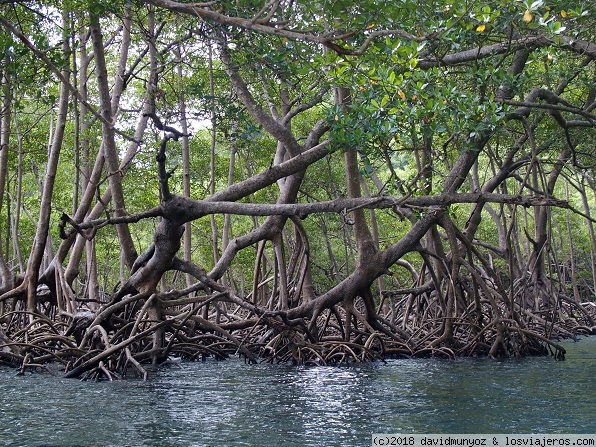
pixel 133 342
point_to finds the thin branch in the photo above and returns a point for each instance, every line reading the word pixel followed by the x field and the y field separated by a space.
pixel 550 106
pixel 63 79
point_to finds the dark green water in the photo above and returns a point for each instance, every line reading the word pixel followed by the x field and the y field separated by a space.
pixel 233 404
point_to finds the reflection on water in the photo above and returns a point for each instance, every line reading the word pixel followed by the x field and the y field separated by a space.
pixel 233 404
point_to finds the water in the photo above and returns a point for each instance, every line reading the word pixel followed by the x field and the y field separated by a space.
pixel 234 404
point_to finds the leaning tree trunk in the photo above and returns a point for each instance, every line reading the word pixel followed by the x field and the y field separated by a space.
pixel 43 224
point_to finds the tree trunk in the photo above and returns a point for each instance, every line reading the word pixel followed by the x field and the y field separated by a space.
pixel 6 280
pixel 212 147
pixel 364 240
pixel 590 224
pixel 17 203
pixel 572 254
pixel 185 161
pixel 365 243
pixel 109 144
pixel 43 225
pixel 541 218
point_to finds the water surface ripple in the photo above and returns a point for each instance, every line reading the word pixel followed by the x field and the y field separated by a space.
pixel 230 403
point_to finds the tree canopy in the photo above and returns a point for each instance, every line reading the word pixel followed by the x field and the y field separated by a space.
pixel 317 181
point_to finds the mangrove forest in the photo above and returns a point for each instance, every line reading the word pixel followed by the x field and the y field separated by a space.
pixel 316 182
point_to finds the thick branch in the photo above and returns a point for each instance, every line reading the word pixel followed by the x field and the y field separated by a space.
pixel 186 209
pixel 277 130
pixel 294 165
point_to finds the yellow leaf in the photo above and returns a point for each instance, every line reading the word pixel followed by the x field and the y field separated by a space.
pixel 528 16
pixel 336 118
pixel 371 26
pixel 563 13
pixel 481 28
pixel 401 94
